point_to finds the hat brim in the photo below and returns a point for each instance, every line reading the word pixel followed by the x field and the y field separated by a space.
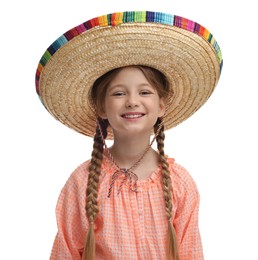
pixel 191 62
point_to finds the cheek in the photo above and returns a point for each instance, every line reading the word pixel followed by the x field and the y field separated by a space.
pixel 110 107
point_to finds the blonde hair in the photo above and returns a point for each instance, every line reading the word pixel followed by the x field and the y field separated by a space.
pixel 159 81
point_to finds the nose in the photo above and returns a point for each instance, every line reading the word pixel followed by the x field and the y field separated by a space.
pixel 132 101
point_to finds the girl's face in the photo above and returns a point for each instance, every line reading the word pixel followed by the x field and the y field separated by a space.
pixel 132 104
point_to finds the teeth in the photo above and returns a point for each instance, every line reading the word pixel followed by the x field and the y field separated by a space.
pixel 132 116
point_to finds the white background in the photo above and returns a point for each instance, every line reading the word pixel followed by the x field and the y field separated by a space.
pixel 218 145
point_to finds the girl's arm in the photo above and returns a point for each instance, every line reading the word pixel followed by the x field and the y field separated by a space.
pixel 186 218
pixel 71 217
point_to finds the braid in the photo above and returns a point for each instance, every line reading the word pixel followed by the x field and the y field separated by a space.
pixel 172 252
pixel 92 187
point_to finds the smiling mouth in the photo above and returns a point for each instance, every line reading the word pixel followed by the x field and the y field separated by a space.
pixel 132 116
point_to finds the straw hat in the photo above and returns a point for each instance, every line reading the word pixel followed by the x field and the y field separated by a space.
pixel 183 50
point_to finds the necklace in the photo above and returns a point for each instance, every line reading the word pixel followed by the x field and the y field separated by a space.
pixel 127 172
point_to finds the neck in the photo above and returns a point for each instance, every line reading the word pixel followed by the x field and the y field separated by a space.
pixel 126 151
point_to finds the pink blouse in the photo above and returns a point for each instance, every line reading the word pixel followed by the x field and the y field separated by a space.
pixel 129 225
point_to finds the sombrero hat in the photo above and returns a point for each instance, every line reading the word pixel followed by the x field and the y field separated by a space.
pixel 183 50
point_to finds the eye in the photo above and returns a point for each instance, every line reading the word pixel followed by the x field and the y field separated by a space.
pixel 118 93
pixel 145 92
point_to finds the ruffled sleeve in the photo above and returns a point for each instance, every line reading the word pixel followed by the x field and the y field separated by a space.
pixel 71 218
pixel 185 221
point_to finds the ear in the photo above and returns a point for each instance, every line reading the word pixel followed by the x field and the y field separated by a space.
pixel 162 107
pixel 102 113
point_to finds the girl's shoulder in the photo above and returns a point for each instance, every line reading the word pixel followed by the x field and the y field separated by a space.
pixel 180 176
pixel 81 170
pixel 80 175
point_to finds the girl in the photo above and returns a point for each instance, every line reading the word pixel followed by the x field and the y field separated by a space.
pixel 128 76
